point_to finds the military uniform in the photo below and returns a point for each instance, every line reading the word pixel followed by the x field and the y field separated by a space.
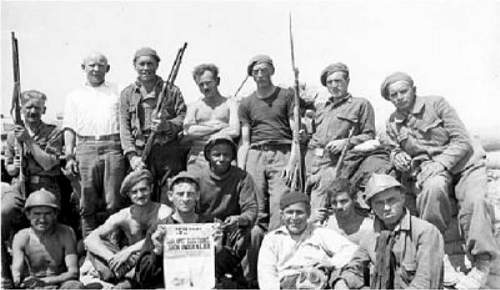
pixel 137 109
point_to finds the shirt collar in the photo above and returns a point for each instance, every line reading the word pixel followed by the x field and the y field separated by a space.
pixel 138 84
pixel 337 102
pixel 284 231
pixel 403 225
pixel 418 107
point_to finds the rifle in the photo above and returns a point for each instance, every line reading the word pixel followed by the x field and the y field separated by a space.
pixel 240 87
pixel 15 110
pixel 167 87
pixel 297 178
pixel 340 162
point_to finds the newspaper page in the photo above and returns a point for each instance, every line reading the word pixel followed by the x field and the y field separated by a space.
pixel 189 256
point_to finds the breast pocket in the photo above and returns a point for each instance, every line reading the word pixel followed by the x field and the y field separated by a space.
pixel 433 131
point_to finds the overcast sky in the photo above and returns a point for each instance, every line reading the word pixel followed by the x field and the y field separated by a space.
pixel 451 48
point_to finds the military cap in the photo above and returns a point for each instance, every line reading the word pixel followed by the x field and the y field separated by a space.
pixel 338 66
pixel 133 178
pixel 392 78
pixel 379 183
pixel 261 58
pixel 184 175
pixel 293 197
pixel 146 51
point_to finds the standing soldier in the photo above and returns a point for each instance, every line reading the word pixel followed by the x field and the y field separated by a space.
pixel 93 142
pixel 214 114
pixel 42 144
pixel 266 140
pixel 433 151
pixel 333 121
pixel 139 117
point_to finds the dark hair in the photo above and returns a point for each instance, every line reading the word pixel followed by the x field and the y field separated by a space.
pixel 185 180
pixel 200 69
pixel 340 185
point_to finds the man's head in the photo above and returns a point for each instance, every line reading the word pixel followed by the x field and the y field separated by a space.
pixel 41 209
pixel 220 151
pixel 33 105
pixel 184 192
pixel 335 78
pixel 295 211
pixel 261 68
pixel 146 62
pixel 341 196
pixel 95 65
pixel 138 186
pixel 385 195
pixel 207 79
pixel 399 89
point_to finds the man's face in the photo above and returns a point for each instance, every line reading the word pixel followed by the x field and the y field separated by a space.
pixel 337 84
pixel 388 205
pixel 184 196
pixel 208 84
pixel 295 218
pixel 42 218
pixel 220 157
pixel 140 194
pixel 261 73
pixel 342 204
pixel 33 110
pixel 401 95
pixel 146 67
pixel 95 68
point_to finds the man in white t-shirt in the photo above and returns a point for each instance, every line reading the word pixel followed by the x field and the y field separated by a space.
pixel 93 148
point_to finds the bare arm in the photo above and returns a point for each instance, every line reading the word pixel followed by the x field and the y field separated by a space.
pixel 70 259
pixel 18 256
pixel 94 241
pixel 245 145
pixel 233 130
pixel 69 142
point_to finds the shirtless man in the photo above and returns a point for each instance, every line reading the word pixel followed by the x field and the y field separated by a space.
pixel 213 114
pixel 346 216
pixel 47 247
pixel 115 265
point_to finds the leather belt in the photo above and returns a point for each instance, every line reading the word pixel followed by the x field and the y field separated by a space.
pixel 111 137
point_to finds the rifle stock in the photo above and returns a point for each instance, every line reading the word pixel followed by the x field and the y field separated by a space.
pixel 165 93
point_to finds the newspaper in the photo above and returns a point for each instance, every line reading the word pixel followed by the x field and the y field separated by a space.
pixel 189 256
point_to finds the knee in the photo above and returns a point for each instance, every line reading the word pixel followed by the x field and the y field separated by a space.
pixel 436 187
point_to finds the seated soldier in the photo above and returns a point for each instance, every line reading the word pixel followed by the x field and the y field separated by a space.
pixel 47 247
pixel 185 194
pixel 346 215
pixel 113 264
pixel 401 252
pixel 300 255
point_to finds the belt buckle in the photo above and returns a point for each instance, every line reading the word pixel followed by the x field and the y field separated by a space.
pixel 320 152
pixel 35 179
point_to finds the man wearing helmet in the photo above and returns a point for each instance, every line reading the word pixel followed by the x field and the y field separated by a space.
pixel 48 248
pixel 401 251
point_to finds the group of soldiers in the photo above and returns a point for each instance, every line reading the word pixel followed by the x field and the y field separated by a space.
pixel 376 221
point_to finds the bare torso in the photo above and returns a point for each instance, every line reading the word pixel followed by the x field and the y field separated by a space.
pixel 45 253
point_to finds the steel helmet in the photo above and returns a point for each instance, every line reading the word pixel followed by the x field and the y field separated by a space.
pixel 378 183
pixel 41 197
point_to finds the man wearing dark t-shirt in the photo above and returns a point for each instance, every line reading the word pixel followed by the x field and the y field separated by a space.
pixel 266 140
